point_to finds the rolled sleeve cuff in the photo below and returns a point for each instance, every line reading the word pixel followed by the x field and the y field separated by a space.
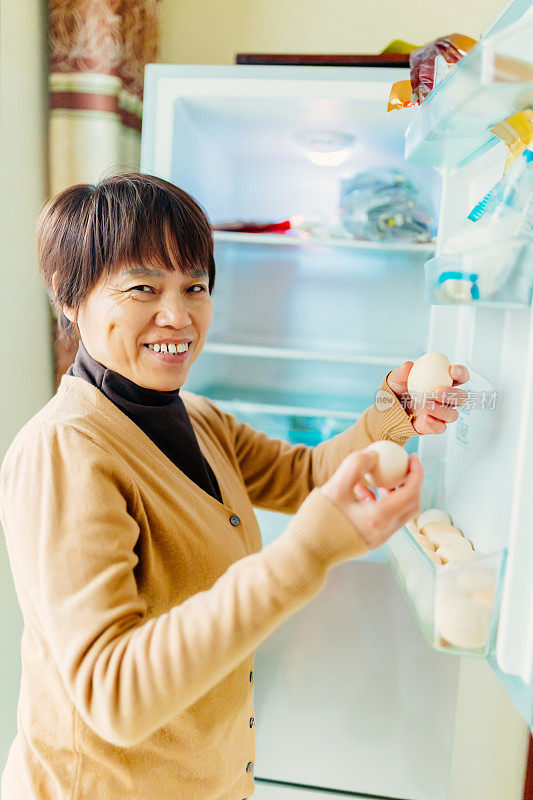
pixel 387 418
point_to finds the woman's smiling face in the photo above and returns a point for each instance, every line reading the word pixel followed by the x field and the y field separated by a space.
pixel 137 306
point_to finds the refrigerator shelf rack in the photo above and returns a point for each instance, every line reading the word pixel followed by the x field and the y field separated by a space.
pixel 294 425
pixel 300 353
pixel 456 605
pixel 491 83
pixel 497 275
pixel 280 240
pixel 285 415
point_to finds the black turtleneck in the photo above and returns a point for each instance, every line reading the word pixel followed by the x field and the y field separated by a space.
pixel 161 415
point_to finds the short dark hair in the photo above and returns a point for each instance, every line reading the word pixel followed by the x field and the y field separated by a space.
pixel 89 230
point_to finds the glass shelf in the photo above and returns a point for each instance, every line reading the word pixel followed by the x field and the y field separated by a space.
pixel 297 418
pixel 284 402
pixel 498 275
pixel 490 83
pixel 341 351
pixel 281 240
pixel 457 604
pixel 286 415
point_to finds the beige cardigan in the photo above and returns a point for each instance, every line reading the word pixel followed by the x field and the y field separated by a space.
pixel 144 598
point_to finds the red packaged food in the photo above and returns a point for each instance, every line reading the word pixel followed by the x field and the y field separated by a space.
pixel 431 62
pixel 254 227
pixel 429 65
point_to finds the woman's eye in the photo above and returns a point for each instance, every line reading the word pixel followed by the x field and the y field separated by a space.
pixel 198 288
pixel 143 286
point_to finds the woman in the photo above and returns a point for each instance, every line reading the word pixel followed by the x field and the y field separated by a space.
pixel 127 509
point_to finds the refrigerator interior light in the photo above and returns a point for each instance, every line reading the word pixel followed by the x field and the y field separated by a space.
pixel 325 147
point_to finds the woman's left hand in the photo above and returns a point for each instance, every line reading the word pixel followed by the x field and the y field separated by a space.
pixel 439 408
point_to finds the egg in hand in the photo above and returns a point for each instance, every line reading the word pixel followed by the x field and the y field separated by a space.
pixel 391 467
pixel 428 373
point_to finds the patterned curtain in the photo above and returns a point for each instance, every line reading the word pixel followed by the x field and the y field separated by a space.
pixel 98 51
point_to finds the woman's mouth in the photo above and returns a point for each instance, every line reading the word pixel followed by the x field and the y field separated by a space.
pixel 170 358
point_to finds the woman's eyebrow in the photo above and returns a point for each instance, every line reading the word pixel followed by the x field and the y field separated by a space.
pixel 144 271
pixel 157 273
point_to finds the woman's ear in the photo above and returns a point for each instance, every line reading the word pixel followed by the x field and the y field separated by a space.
pixel 69 313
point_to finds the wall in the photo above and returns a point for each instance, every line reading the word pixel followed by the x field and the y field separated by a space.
pixel 26 376
pixel 212 31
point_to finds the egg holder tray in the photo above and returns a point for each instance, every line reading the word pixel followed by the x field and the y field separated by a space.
pixel 455 604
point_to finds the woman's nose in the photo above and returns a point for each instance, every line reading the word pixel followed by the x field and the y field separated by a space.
pixel 174 312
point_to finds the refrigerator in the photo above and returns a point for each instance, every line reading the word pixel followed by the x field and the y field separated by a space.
pixel 360 694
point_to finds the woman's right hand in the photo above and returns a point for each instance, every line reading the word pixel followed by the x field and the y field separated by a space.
pixel 376 520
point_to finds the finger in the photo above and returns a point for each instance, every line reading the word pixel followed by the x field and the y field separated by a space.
pixel 443 413
pixel 459 374
pixel 352 469
pixel 397 379
pixel 415 472
pixel 425 423
pixel 362 493
pixel 407 493
pixel 450 396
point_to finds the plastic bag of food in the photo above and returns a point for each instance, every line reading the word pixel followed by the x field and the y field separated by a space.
pixel 432 62
pixel 429 64
pixel 383 204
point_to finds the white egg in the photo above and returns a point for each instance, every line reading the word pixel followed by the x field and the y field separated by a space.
pixel 392 465
pixel 479 584
pixel 423 541
pixel 412 527
pixel 484 598
pixel 432 515
pixel 428 372
pixel 462 622
pixel 444 537
pixel 465 559
pixel 433 556
pixel 446 589
pixel 431 528
pixel 450 552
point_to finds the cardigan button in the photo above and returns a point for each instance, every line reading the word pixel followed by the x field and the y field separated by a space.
pixel 234 519
pixel 252 722
pixel 251 676
pixel 249 766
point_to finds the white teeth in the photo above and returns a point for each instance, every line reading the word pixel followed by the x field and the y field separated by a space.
pixel 169 348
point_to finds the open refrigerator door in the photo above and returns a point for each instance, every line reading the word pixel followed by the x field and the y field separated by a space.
pixel 479 285
pixel 307 322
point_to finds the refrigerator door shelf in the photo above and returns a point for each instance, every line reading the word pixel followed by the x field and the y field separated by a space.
pixel 456 604
pixel 491 83
pixel 280 240
pixel 498 275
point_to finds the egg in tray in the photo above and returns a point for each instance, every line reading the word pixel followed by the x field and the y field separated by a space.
pixel 452 590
